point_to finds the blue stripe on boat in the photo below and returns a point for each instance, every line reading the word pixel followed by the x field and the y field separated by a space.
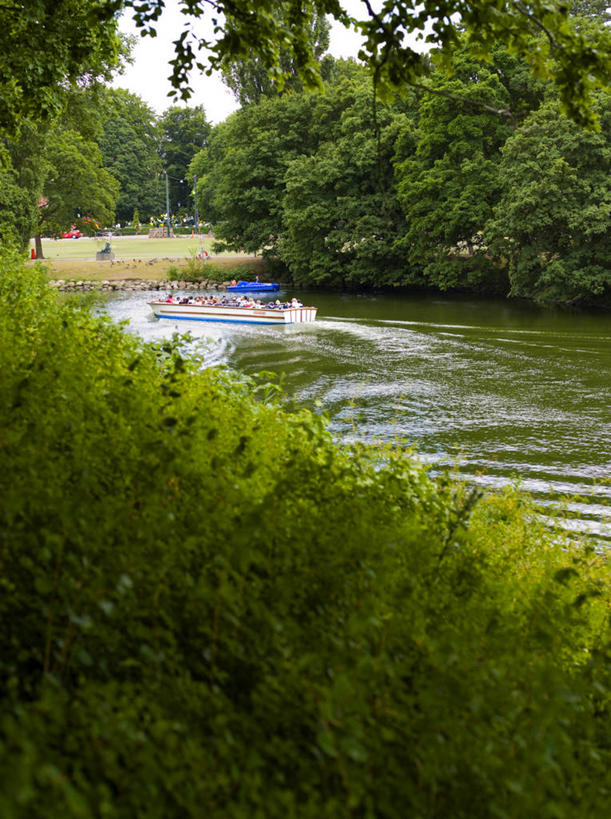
pixel 227 320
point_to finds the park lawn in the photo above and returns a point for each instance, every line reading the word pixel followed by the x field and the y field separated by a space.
pixel 124 248
pixel 136 257
pixel 149 269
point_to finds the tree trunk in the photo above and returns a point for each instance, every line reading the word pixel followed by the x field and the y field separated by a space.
pixel 38 246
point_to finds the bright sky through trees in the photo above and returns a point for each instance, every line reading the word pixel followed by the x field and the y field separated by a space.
pixel 147 77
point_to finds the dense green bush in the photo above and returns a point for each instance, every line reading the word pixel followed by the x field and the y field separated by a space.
pixel 209 609
pixel 140 230
pixel 200 270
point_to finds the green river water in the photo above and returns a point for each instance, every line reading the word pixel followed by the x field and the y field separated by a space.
pixel 504 390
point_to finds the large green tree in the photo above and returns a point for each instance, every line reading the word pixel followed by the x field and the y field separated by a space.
pixel 22 171
pixel 250 154
pixel 130 148
pixel 341 215
pixel 184 131
pixel 448 181
pixel 552 220
pixel 77 188
pixel 53 58
pixel 250 79
pixel 57 168
pixel 574 62
pixel 48 45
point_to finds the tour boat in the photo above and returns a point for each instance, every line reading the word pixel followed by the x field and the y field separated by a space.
pixel 253 287
pixel 233 313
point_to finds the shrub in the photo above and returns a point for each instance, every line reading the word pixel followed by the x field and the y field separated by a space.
pixel 206 270
pixel 209 607
pixel 193 270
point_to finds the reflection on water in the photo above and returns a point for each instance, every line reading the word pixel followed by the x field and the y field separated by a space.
pixel 506 391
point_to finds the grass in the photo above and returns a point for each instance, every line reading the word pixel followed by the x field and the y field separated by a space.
pixel 136 257
pixel 124 248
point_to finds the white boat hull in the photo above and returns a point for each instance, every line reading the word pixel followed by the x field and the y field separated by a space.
pixel 237 315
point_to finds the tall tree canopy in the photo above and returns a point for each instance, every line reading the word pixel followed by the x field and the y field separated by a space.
pixel 53 172
pixel 552 220
pixel 45 45
pixel 341 215
pixel 53 56
pixel 250 152
pixel 250 80
pixel 266 29
pixel 77 188
pixel 448 182
pixel 130 147
pixel 184 132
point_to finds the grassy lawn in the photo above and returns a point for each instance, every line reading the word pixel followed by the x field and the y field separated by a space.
pixel 136 257
pixel 124 247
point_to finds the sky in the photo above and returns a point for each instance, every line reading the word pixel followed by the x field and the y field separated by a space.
pixel 147 77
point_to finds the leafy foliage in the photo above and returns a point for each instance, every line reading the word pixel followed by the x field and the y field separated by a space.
pixel 348 191
pixel 47 45
pixel 130 146
pixel 448 183
pixel 22 173
pixel 250 80
pixel 269 29
pixel 206 604
pixel 77 186
pixel 184 131
pixel 552 221
pixel 341 216
pixel 248 158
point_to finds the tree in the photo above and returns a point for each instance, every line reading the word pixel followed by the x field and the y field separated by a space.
pixel 77 187
pixel 54 54
pixel 250 79
pixel 70 39
pixel 130 146
pixel 593 9
pixel 552 220
pixel 448 182
pixel 22 173
pixel 576 64
pixel 341 215
pixel 251 152
pixel 48 45
pixel 184 131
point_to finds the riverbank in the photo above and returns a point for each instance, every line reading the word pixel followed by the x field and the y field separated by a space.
pixel 135 284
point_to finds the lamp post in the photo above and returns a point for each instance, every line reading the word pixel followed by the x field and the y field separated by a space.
pixel 195 201
pixel 167 205
pixel 167 199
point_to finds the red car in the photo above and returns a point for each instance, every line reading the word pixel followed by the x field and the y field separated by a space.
pixel 72 234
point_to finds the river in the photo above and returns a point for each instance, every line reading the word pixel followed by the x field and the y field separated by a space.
pixel 504 391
